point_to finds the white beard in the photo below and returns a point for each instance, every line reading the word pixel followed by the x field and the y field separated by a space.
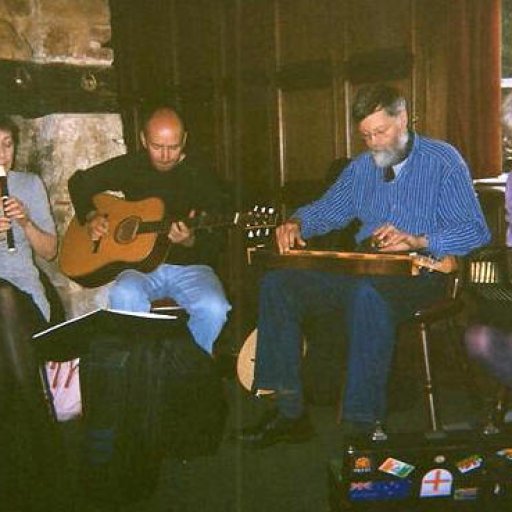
pixel 393 155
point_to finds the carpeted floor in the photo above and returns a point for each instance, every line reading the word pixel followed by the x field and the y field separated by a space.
pixel 290 478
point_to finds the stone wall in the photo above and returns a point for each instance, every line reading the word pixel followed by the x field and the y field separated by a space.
pixel 73 31
pixel 54 146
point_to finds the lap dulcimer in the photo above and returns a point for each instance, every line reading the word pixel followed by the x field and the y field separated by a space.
pixel 357 263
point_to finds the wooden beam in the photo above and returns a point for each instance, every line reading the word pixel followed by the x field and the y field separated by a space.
pixel 32 89
pixel 381 65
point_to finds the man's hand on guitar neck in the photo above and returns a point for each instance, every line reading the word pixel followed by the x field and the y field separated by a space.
pixel 180 233
pixel 97 225
pixel 288 236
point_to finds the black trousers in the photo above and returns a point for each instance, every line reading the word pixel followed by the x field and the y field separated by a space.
pixel 32 464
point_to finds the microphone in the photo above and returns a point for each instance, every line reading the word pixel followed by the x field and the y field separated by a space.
pixel 4 194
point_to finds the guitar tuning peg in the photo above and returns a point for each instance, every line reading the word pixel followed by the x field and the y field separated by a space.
pixel 258 232
pixel 271 210
pixel 263 208
pixel 250 234
pixel 256 208
pixel 267 232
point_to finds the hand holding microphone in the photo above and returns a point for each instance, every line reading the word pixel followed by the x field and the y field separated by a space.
pixel 11 208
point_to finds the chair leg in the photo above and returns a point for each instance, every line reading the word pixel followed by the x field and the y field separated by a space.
pixel 496 416
pixel 501 405
pixel 428 378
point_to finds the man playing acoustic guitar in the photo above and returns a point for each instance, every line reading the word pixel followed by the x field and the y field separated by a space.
pixel 163 170
pixel 410 193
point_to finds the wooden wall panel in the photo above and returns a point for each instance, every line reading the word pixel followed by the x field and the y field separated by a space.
pixel 257 34
pixel 197 78
pixel 374 25
pixel 151 40
pixel 308 144
pixel 308 130
pixel 431 70
pixel 306 80
pixel 341 118
pixel 197 40
pixel 191 52
pixel 257 106
pixel 203 130
pixel 257 153
pixel 144 70
pixel 303 28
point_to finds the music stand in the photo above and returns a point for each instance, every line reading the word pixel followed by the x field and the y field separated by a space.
pixel 72 338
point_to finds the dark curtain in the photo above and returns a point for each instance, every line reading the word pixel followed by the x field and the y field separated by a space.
pixel 474 91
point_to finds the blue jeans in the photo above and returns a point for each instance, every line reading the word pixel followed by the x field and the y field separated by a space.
pixel 372 307
pixel 196 288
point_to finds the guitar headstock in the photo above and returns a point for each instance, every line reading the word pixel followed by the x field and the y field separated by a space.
pixel 259 222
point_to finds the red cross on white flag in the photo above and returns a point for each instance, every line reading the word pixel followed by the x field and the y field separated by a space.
pixel 437 482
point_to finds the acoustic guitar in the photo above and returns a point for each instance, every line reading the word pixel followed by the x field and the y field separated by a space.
pixel 245 363
pixel 137 237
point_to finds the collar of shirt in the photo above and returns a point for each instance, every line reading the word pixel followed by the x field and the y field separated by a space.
pixel 399 166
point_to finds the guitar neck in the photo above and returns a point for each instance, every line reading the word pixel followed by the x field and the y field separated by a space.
pixel 200 222
pixel 211 221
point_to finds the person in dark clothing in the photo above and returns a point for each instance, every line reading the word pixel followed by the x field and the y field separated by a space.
pixel 163 170
pixel 32 471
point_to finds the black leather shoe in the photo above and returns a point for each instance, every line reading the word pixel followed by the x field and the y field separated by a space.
pixel 275 428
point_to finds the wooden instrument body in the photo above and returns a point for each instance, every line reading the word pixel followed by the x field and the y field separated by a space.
pixel 356 263
pixel 138 238
pixel 91 264
pixel 246 360
pixel 245 364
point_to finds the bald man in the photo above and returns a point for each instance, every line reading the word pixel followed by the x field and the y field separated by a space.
pixel 163 169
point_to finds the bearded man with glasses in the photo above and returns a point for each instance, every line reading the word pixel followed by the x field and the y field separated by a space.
pixel 410 193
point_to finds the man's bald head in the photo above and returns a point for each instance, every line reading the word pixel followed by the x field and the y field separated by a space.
pixel 164 138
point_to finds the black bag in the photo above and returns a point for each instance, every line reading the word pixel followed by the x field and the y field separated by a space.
pixel 194 407
pixel 144 398
pixel 454 471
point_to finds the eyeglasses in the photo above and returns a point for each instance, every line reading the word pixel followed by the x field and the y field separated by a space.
pixel 379 132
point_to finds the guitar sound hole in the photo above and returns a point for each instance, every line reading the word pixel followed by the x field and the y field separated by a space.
pixel 127 230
